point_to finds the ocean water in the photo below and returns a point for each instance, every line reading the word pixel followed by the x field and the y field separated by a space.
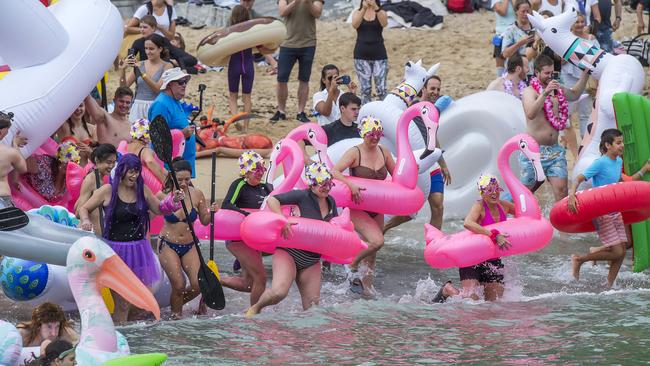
pixel 544 318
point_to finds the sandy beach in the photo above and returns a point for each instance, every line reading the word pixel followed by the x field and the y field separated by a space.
pixel 462 47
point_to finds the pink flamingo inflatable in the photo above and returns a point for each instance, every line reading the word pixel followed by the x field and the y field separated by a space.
pixel 91 264
pixel 336 240
pixel 227 223
pixel 400 195
pixel 528 230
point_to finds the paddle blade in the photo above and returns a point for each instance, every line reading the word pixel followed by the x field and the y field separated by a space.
pixel 211 288
pixel 12 218
pixel 108 299
pixel 214 268
pixel 161 138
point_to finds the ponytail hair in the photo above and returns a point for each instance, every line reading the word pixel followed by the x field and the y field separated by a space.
pixel 608 136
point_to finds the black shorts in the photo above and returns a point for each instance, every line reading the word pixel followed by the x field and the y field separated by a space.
pixel 486 272
pixel 288 58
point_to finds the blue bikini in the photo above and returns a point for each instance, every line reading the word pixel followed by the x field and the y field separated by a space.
pixel 180 249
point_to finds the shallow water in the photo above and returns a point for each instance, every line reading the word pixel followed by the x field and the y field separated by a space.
pixel 544 318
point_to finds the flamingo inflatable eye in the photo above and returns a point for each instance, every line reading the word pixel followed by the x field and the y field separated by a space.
pixel 88 255
pixel 523 144
pixel 311 134
pixel 277 146
pixel 553 30
pixel 424 111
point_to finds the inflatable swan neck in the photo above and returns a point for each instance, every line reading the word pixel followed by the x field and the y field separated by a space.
pixel 525 203
pixel 293 163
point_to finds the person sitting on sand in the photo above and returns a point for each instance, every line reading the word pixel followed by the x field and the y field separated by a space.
pixel 104 158
pixel 175 48
pixel 164 13
pixel 610 227
pixel 513 82
pixel 295 264
pixel 114 127
pixel 10 159
pixel 140 145
pixel 46 174
pixel 247 192
pixel 488 210
pixel 48 323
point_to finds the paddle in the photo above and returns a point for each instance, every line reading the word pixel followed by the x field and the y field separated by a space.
pixel 209 284
pixel 12 218
pixel 106 293
pixel 199 140
pixel 211 263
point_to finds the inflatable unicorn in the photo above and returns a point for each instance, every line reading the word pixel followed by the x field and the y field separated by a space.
pixel 59 52
pixel 621 73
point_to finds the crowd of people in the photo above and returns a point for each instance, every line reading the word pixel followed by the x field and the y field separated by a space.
pixel 551 92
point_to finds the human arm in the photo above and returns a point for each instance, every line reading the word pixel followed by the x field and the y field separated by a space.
pixel 595 12
pixel 87 187
pixel 170 32
pixel 154 203
pixel 132 26
pixel 18 162
pixel 572 203
pixel 508 206
pixel 357 15
pixel 388 158
pixel 644 169
pixel 98 198
pixel 152 164
pixel 618 10
pixel 640 25
pixel 204 208
pixel 324 107
pixel 576 91
pixel 315 8
pixel 472 224
pixel 513 45
pixel 348 159
pixel 97 113
pixel 126 79
pixel 501 7
pixel 533 102
pixel 230 200
pixel 285 8
pixel 274 205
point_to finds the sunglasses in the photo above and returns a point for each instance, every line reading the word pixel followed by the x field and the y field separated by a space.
pixel 491 189
pixel 182 82
pixel 325 186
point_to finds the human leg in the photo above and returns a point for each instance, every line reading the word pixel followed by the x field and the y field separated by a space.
pixel 491 278
pixel 555 168
pixel 380 74
pixel 370 230
pixel 611 232
pixel 191 266
pixel 254 279
pixel 364 75
pixel 396 221
pixel 305 62
pixel 286 62
pixel 469 282
pixel 171 264
pixel 309 285
pixel 436 199
pixel 284 272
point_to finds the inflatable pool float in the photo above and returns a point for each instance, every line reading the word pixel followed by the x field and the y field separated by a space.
pixel 615 74
pixel 633 118
pixel 528 230
pixel 632 199
pixel 93 264
pixel 216 139
pixel 264 33
pixel 150 359
pixel 61 52
pixel 11 344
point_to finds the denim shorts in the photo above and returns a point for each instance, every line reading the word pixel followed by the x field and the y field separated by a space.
pixel 553 162
pixel 288 58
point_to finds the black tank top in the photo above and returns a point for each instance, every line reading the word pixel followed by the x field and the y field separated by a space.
pixel 370 42
pixel 125 223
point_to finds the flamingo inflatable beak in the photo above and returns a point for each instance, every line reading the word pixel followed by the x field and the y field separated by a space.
pixel 117 276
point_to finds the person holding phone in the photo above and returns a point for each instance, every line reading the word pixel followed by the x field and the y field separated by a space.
pixel 519 36
pixel 326 101
pixel 370 57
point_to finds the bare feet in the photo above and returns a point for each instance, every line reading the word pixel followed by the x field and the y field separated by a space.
pixel 252 311
pixel 576 264
pixel 202 309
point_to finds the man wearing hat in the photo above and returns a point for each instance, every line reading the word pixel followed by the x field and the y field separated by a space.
pixel 168 104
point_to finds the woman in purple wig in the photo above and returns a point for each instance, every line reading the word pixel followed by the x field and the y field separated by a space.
pixel 127 203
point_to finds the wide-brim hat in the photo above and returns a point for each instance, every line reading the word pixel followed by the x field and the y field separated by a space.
pixel 170 75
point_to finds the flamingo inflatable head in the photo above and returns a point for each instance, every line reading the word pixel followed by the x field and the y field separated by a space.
pixel 316 136
pixel 91 265
pixel 286 150
pixel 430 116
pixel 530 148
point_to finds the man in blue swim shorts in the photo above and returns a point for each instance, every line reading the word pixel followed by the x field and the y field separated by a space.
pixel 544 120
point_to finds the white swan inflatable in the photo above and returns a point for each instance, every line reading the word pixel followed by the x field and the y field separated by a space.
pixel 56 55
pixel 621 73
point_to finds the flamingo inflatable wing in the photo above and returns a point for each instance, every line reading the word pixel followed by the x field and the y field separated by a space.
pixel 91 264
pixel 528 230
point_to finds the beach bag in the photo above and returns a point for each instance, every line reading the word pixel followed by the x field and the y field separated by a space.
pixel 460 6
pixel 639 48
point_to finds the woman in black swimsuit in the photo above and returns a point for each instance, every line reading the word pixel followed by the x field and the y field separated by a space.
pixel 295 264
pixel 367 160
pixel 176 249
pixel 248 192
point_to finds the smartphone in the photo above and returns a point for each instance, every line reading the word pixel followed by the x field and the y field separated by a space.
pixel 131 52
pixel 556 76
pixel 345 80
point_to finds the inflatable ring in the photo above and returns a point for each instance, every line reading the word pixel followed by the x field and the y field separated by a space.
pixel 264 33
pixel 632 199
pixel 149 359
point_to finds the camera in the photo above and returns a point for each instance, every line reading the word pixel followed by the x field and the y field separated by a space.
pixel 344 80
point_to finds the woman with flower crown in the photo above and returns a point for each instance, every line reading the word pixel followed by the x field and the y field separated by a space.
pixel 140 145
pixel 487 275
pixel 298 265
pixel 247 192
pixel 547 111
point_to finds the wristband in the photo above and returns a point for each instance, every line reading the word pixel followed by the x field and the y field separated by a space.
pixel 143 75
pixel 493 235
pixel 168 206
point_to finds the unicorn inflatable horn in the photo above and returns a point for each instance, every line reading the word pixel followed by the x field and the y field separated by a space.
pixel 621 73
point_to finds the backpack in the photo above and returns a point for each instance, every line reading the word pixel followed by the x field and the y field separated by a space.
pixel 170 9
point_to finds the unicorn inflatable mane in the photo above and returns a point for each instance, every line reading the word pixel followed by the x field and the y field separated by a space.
pixel 620 73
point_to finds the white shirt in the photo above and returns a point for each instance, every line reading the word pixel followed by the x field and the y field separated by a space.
pixel 321 96
pixel 162 20
pixel 555 9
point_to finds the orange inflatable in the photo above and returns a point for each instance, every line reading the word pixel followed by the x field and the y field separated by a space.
pixel 216 139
